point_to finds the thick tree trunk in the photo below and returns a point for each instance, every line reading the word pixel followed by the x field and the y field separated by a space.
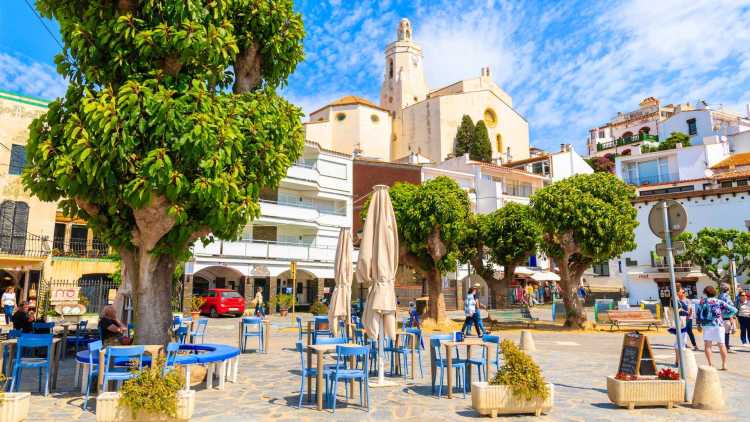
pixel 499 290
pixel 575 312
pixel 437 300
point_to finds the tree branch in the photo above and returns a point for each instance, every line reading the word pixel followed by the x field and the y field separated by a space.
pixel 247 69
pixel 125 6
pixel 410 260
pixel 153 222
pixel 435 245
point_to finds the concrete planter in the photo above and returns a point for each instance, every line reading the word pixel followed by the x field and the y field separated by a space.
pixel 496 400
pixel 109 410
pixel 650 392
pixel 14 407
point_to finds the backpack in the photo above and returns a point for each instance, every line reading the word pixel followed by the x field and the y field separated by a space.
pixel 703 314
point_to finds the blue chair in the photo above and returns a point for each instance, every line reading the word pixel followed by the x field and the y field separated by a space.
pixel 81 337
pixel 332 340
pixel 119 362
pixel 181 334
pixel 420 346
pixel 495 340
pixel 31 342
pixel 6 351
pixel 252 327
pixel 200 331
pixel 94 348
pixel 169 362
pixel 399 352
pixel 42 327
pixel 306 372
pixel 176 322
pixel 299 328
pixel 344 372
pixel 342 327
pixel 321 327
pixel 441 364
pixel 359 336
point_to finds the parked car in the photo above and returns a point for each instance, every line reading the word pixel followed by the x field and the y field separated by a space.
pixel 223 302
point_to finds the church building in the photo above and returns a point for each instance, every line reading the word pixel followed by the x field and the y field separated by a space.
pixel 412 119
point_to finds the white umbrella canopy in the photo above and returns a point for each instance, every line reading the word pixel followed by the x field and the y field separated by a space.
pixel 341 299
pixel 377 265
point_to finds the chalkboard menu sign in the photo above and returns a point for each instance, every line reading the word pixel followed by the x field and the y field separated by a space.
pixel 636 357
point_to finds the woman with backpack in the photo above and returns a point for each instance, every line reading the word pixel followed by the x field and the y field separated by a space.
pixel 711 313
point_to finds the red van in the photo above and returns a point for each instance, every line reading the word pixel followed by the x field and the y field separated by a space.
pixel 223 302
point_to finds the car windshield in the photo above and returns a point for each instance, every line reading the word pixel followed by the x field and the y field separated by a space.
pixel 230 295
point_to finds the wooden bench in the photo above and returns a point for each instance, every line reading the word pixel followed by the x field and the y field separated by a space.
pixel 639 317
pixel 516 315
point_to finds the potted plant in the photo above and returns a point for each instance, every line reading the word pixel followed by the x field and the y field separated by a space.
pixel 14 407
pixel 628 390
pixel 283 301
pixel 150 396
pixel 318 308
pixel 195 307
pixel 518 387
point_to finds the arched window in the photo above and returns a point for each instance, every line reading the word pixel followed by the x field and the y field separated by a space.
pixel 499 143
pixel 627 136
pixel 644 129
pixel 490 117
pixel 14 220
pixel 390 68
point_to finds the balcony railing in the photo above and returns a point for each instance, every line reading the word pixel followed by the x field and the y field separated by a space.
pixel 308 164
pixel 268 250
pixel 80 248
pixel 306 205
pixel 28 245
pixel 627 140
pixel 652 180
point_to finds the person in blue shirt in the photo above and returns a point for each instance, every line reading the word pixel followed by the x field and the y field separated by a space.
pixel 728 322
pixel 471 311
pixel 711 315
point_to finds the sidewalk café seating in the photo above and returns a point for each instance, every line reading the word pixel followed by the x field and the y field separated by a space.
pixel 299 328
pixel 480 363
pixel 639 317
pixel 420 346
pixel 332 340
pixel 200 331
pixel 119 362
pixel 181 334
pixel 93 373
pixel 359 336
pixel 6 351
pixel 344 373
pixel 169 362
pixel 31 342
pixel 81 337
pixel 42 327
pixel 306 372
pixel 440 363
pixel 398 350
pixel 252 327
pixel 321 327
pixel 496 341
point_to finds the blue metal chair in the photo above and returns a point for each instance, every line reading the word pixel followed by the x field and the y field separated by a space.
pixel 252 327
pixel 176 322
pixel 398 350
pixel 321 327
pixel 119 362
pixel 169 362
pixel 332 340
pixel 81 337
pixel 420 346
pixel 32 341
pixel 93 375
pixel 200 331
pixel 496 340
pixel 359 336
pixel 344 372
pixel 299 328
pixel 181 334
pixel 42 327
pixel 441 364
pixel 306 372
pixel 6 351
pixel 342 327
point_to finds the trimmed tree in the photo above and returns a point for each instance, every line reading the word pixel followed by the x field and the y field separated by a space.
pixel 464 136
pixel 584 219
pixel 672 141
pixel 481 148
pixel 505 237
pixel 157 143
pixel 711 248
pixel 431 221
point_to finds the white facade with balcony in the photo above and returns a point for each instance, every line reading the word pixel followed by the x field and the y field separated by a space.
pixel 300 221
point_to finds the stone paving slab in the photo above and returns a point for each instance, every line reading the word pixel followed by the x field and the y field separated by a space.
pixel 268 385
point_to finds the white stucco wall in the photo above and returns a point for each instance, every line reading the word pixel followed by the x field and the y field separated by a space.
pixel 568 163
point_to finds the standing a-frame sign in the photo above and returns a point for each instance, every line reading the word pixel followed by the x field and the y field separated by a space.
pixel 636 357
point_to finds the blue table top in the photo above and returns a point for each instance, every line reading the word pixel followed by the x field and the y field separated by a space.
pixel 206 353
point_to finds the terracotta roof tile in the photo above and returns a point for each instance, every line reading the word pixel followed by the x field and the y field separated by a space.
pixel 734 160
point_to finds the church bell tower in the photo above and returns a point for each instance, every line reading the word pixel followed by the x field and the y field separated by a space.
pixel 403 82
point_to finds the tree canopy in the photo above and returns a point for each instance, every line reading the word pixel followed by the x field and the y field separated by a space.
pixel 464 136
pixel 481 148
pixel 170 126
pixel 711 248
pixel 584 219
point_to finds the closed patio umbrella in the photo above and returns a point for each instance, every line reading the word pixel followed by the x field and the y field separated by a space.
pixel 341 299
pixel 376 268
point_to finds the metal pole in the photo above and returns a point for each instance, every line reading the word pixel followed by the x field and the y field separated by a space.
pixel 673 288
pixel 733 278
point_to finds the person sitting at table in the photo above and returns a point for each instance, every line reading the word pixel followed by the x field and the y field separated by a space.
pixel 111 329
pixel 22 319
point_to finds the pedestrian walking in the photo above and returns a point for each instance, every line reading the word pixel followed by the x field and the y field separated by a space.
pixel 711 313
pixel 729 325
pixel 471 312
pixel 743 317
pixel 259 302
pixel 9 303
pixel 683 312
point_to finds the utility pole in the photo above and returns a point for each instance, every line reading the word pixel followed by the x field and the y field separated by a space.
pixel 673 288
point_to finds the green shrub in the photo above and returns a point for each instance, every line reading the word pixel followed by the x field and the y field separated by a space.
pixel 151 391
pixel 520 373
pixel 284 301
pixel 318 308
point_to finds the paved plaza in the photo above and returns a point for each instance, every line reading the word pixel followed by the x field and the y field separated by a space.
pixel 268 385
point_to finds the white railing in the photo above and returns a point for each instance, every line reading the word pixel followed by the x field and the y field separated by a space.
pixel 267 249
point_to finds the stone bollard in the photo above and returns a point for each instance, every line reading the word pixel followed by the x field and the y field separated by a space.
pixel 707 394
pixel 691 368
pixel 527 341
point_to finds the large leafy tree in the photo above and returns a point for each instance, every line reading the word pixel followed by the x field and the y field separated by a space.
pixel 464 136
pixel 506 237
pixel 431 221
pixel 168 130
pixel 481 148
pixel 711 248
pixel 584 219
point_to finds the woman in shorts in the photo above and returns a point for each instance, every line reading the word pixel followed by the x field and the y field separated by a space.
pixel 711 314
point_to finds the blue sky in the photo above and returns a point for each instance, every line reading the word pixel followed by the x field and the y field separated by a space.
pixel 569 65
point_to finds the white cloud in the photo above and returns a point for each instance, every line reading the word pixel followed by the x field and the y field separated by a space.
pixel 30 78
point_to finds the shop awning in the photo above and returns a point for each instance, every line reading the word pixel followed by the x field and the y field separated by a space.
pixel 545 276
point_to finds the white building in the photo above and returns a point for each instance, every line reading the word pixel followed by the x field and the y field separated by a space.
pixel 554 166
pixel 703 121
pixel 299 221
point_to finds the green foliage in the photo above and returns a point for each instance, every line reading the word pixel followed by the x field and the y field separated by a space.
pixel 283 301
pixel 318 308
pixel 711 248
pixel 151 391
pixel 605 164
pixel 438 206
pixel 510 234
pixel 589 215
pixel 196 302
pixel 464 136
pixel 520 373
pixel 481 148
pixel 148 115
pixel 669 143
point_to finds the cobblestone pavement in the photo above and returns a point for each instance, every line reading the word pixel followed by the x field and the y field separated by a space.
pixel 268 385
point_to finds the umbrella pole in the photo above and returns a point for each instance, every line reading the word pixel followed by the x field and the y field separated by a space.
pixel 381 363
